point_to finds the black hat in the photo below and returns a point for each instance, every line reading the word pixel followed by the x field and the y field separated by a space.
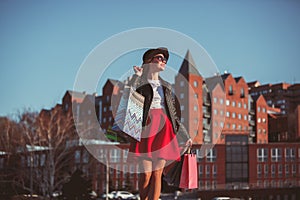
pixel 152 52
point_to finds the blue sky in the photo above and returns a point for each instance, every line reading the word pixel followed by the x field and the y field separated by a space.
pixel 44 43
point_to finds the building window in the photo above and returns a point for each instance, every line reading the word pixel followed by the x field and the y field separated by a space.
pixel 290 154
pixel 230 90
pixel 276 154
pixel 182 108
pixel 258 109
pixel 195 108
pixel 233 115
pixel 207 171
pixel 77 156
pixel 125 170
pixel 233 126
pixel 239 104
pixel 85 157
pixel 66 107
pixel 181 95
pixel 195 83
pixel 239 127
pixel 227 114
pixel 215 111
pixel 294 170
pixel 42 159
pixel 279 170
pixel 221 101
pixel 115 155
pixel 227 102
pixel 181 83
pixel 287 170
pixel 215 99
pixel 214 169
pixel 228 125
pixel 259 170
pixel 196 96
pixel 221 112
pixel 242 92
pixel 200 169
pixel 240 116
pixel 273 170
pixel 233 103
pixel 221 124
pixel 266 170
pixel 211 155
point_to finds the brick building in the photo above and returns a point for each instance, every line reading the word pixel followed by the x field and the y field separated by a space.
pixel 285 97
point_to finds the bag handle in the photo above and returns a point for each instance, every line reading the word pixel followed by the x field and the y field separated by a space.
pixel 189 150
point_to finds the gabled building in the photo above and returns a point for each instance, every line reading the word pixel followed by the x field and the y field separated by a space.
pixel 188 90
pixel 286 97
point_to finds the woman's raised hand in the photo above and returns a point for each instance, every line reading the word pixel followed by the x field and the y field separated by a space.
pixel 138 70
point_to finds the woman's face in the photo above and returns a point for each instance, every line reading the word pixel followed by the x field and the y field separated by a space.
pixel 158 63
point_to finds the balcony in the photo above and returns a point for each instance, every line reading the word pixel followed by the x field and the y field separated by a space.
pixel 206 102
pixel 251 122
pixel 251 111
pixel 206 126
pixel 207 138
pixel 206 114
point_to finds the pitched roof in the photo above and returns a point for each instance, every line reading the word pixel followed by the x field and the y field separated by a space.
pixel 188 65
pixel 237 79
pixel 225 76
pixel 77 95
pixel 212 82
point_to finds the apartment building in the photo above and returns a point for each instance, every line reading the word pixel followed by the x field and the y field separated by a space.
pixel 285 97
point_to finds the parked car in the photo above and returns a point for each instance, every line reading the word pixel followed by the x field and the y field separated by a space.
pixel 119 195
pixel 221 198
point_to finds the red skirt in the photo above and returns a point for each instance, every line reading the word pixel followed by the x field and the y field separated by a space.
pixel 158 139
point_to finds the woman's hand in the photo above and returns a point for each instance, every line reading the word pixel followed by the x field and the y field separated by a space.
pixel 189 143
pixel 138 70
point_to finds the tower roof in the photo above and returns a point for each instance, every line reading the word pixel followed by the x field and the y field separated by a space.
pixel 188 65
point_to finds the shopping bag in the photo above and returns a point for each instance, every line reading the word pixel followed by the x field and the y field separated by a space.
pixel 172 173
pixel 129 115
pixel 189 172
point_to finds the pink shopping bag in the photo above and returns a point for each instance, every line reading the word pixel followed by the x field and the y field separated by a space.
pixel 189 172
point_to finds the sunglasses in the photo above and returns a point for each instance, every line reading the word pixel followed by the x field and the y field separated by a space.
pixel 160 58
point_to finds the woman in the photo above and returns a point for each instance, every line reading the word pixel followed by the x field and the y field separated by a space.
pixel 161 123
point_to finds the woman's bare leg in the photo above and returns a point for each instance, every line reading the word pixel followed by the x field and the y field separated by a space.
pixel 144 178
pixel 155 183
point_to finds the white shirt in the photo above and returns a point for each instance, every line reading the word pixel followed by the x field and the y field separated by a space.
pixel 158 94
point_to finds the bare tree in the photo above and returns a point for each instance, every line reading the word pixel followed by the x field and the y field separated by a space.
pixel 57 135
pixel 10 142
pixel 46 149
